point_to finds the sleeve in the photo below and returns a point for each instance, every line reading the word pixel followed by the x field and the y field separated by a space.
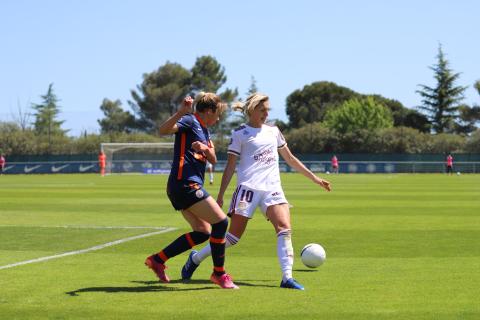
pixel 281 142
pixel 185 123
pixel 235 145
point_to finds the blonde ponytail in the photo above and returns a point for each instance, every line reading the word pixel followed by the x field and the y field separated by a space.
pixel 247 107
pixel 238 106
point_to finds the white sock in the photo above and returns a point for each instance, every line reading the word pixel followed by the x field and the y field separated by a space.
pixel 206 251
pixel 285 253
pixel 211 177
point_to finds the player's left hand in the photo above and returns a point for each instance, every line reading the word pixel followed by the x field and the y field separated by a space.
pixel 324 184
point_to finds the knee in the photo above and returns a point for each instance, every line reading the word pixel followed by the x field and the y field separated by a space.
pixel 220 227
pixel 203 228
pixel 222 224
pixel 199 237
pixel 283 226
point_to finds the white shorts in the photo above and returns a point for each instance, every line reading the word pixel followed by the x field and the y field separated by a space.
pixel 245 200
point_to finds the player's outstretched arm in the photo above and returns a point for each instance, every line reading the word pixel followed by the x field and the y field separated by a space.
pixel 170 126
pixel 226 177
pixel 293 162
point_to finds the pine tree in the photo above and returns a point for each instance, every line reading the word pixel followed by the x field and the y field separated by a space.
pixel 253 86
pixel 46 115
pixel 441 103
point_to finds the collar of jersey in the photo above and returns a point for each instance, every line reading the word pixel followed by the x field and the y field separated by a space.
pixel 253 128
pixel 199 120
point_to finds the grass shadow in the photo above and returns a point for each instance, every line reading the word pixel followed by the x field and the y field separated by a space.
pixel 155 286
pixel 244 283
pixel 305 270
pixel 138 289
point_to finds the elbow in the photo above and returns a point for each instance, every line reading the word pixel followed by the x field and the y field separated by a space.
pixel 291 160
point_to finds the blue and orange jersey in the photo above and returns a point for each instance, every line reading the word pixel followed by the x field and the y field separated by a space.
pixel 189 165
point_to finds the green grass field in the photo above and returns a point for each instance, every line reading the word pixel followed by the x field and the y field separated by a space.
pixel 398 247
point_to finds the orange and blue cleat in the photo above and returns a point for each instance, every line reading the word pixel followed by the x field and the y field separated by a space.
pixel 158 268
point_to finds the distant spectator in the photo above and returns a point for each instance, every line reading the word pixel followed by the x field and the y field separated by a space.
pixel 334 164
pixel 2 163
pixel 449 164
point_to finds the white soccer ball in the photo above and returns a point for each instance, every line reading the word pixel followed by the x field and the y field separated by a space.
pixel 327 172
pixel 313 255
pixel 458 173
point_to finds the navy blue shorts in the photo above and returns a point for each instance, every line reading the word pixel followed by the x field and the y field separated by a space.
pixel 184 194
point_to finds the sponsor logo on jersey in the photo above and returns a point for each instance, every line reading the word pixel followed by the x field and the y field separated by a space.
pixel 28 169
pixel 58 169
pixel 266 156
pixel 83 168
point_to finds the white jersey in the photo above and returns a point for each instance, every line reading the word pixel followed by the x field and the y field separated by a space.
pixel 258 152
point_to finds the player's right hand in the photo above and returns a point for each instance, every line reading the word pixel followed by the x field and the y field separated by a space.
pixel 220 201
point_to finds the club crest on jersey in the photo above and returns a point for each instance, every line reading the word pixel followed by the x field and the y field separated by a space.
pixel 199 193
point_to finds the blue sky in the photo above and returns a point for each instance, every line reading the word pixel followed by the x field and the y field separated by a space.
pixel 93 50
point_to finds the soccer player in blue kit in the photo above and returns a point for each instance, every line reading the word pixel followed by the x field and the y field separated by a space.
pixel 192 149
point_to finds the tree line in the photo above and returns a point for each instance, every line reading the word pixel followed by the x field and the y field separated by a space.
pixel 322 116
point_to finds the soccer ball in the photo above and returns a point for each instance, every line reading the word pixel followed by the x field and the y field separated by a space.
pixel 313 255
pixel 327 172
pixel 458 173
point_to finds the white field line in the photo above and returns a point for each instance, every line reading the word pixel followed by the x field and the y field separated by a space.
pixel 99 247
pixel 84 227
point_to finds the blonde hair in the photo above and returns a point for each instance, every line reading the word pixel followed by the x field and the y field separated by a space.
pixel 253 101
pixel 208 100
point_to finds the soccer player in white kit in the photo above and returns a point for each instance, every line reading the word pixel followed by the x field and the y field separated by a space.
pixel 257 146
